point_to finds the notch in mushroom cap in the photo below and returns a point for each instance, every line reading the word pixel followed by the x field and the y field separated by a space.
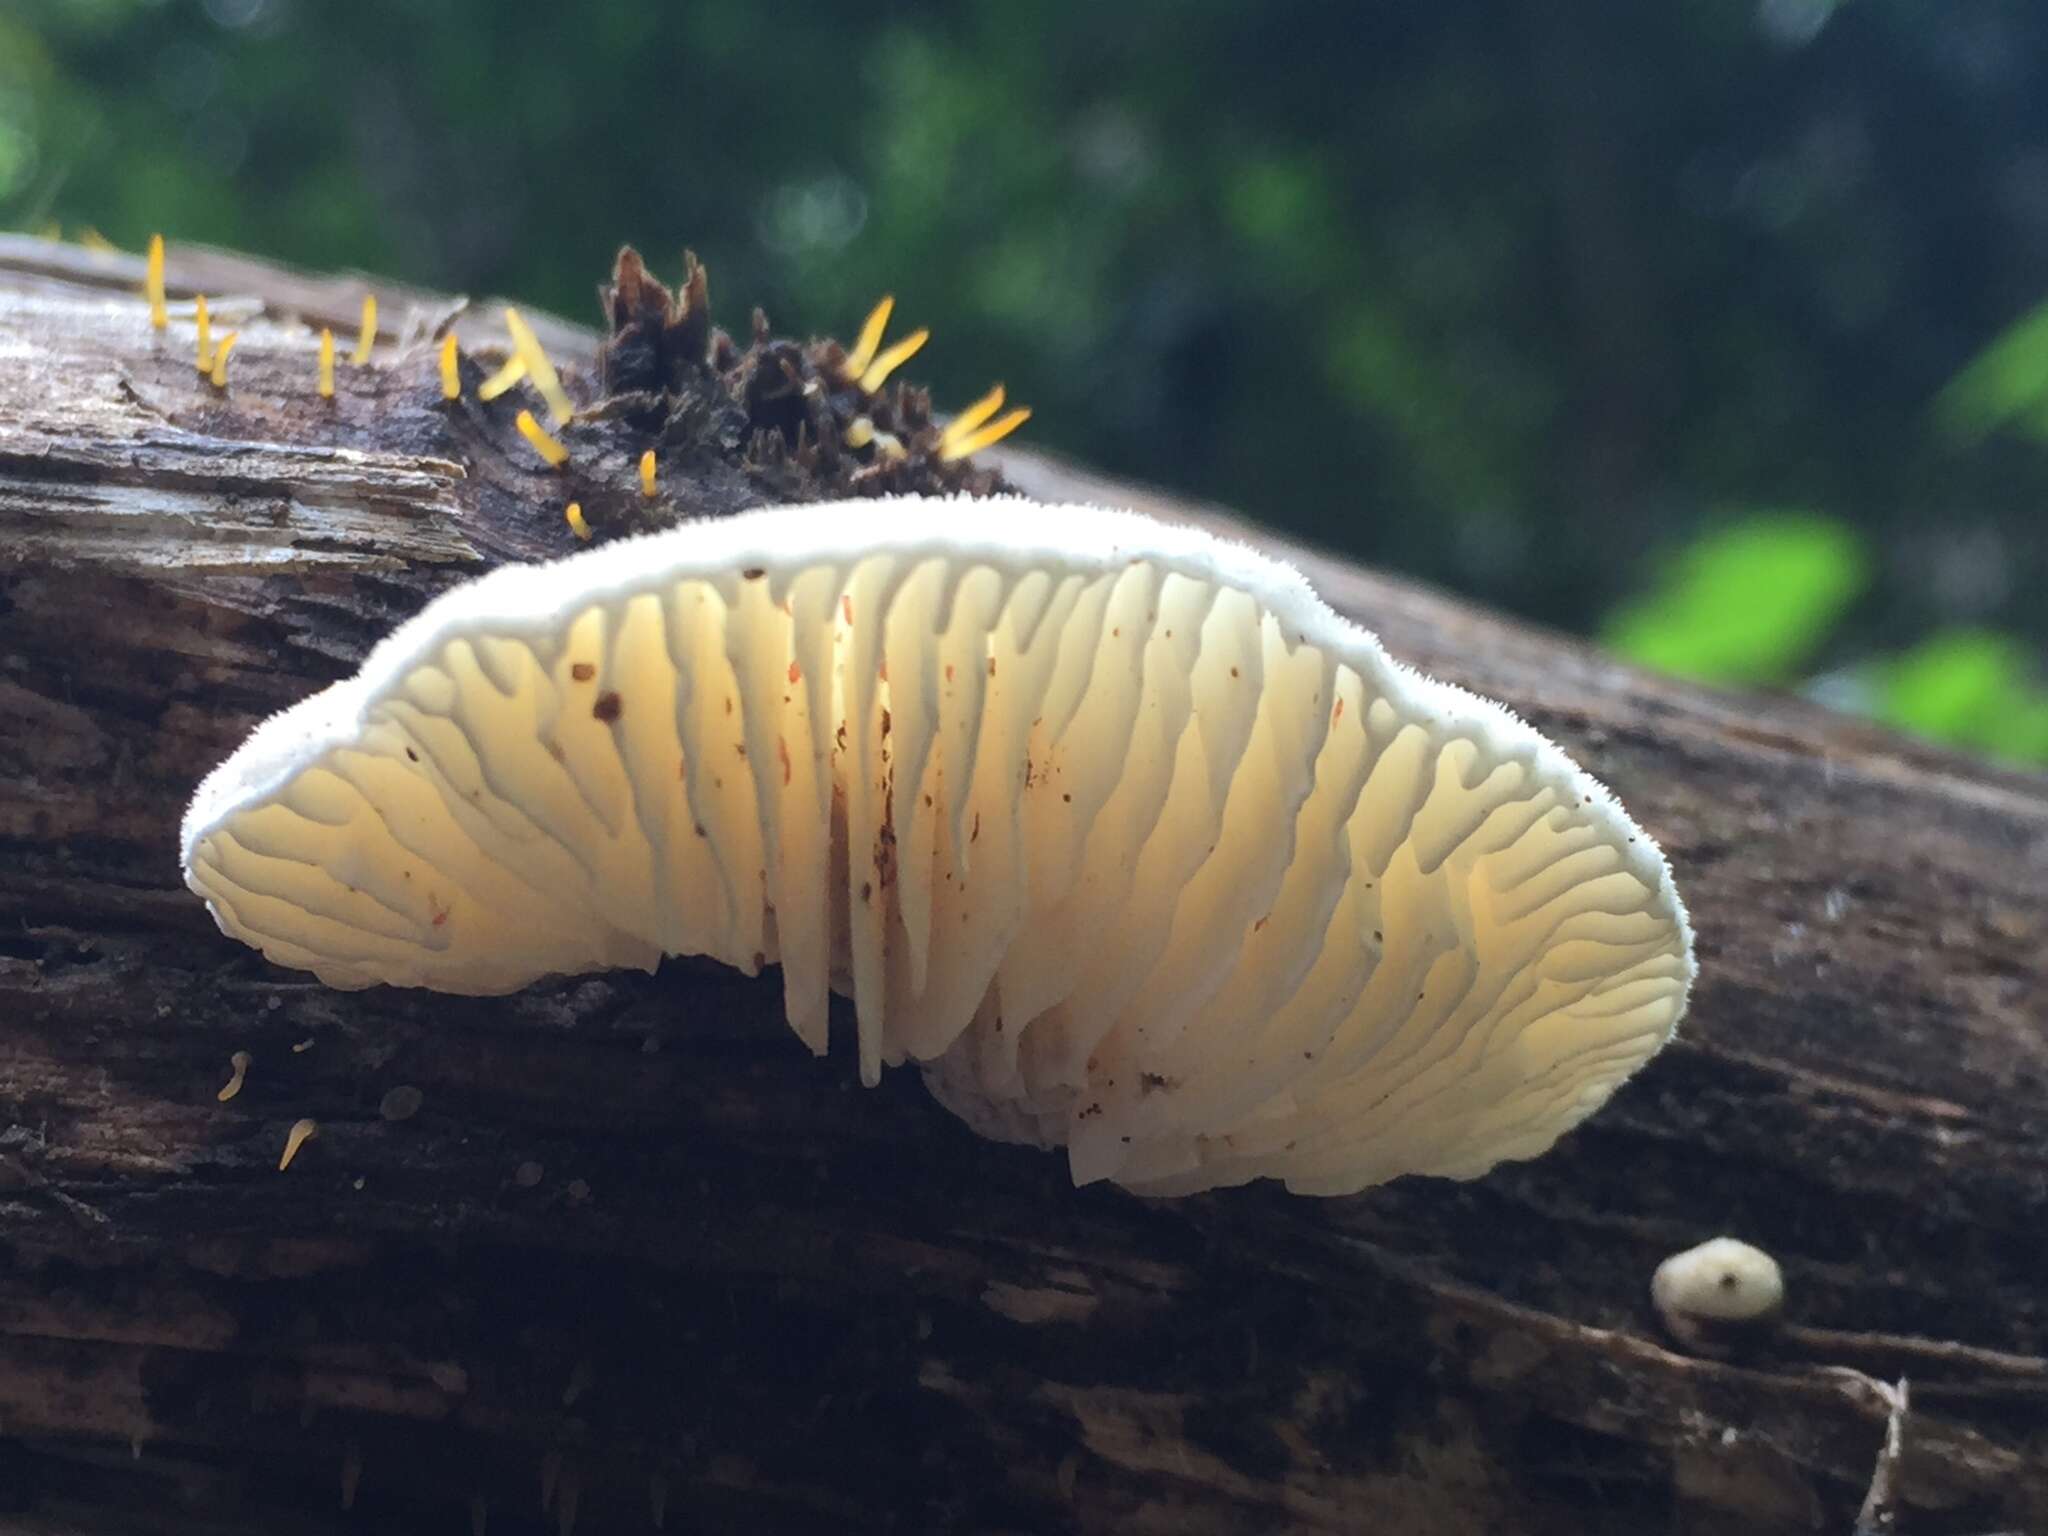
pixel 1114 826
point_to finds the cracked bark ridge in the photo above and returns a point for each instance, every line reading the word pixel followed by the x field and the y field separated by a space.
pixel 633 1246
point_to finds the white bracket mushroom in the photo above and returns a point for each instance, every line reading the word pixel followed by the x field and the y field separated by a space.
pixel 1112 825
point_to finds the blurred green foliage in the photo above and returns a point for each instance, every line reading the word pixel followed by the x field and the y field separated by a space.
pixel 1972 687
pixel 2006 385
pixel 1748 603
pixel 1752 602
pixel 1512 296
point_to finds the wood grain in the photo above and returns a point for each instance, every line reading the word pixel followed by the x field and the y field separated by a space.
pixel 636 1242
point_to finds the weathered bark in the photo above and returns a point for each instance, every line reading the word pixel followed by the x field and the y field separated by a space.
pixel 635 1238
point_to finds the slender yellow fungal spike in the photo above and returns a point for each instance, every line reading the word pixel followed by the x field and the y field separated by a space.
pixel 218 373
pixel 871 330
pixel 538 368
pixel 513 371
pixel 889 447
pixel 366 333
pixel 50 229
pixel 93 240
pixel 647 473
pixel 451 373
pixel 895 357
pixel 301 1132
pixel 240 1062
pixel 574 518
pixel 971 417
pixel 326 364
pixel 566 1498
pixel 205 325
pixel 859 432
pixel 547 447
pixel 989 435
pixel 580 1378
pixel 159 317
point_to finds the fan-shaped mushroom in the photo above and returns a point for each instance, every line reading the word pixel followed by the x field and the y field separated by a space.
pixel 1113 825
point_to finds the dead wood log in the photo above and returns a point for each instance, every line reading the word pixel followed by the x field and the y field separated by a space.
pixel 635 1247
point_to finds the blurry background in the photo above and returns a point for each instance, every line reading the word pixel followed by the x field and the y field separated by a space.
pixel 1704 326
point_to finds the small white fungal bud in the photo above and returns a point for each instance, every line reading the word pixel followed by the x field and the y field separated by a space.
pixel 1719 1295
pixel 351 1473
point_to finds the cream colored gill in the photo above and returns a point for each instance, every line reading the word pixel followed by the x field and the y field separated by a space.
pixel 1114 826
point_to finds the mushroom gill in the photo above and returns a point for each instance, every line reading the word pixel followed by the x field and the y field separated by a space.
pixel 1112 825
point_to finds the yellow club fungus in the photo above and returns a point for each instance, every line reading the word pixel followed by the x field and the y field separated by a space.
pixel 869 340
pixel 889 448
pixel 49 229
pixel 647 474
pixel 205 324
pixel 574 518
pixel 972 416
pixel 952 447
pixel 550 1471
pixel 326 364
pixel 240 1063
pixel 859 432
pixel 580 1377
pixel 366 333
pixel 451 371
pixel 538 368
pixel 302 1131
pixel 218 373
pixel 549 448
pixel 513 371
pixel 96 242
pixel 153 284
pixel 877 373
pixel 566 1498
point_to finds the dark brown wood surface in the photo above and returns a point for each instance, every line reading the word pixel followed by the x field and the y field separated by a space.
pixel 636 1245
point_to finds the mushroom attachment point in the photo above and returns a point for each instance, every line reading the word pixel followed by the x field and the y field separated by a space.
pixel 1719 1296
pixel 1111 825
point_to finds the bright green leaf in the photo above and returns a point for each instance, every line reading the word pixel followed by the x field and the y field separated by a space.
pixel 1973 688
pixel 2005 383
pixel 1747 603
